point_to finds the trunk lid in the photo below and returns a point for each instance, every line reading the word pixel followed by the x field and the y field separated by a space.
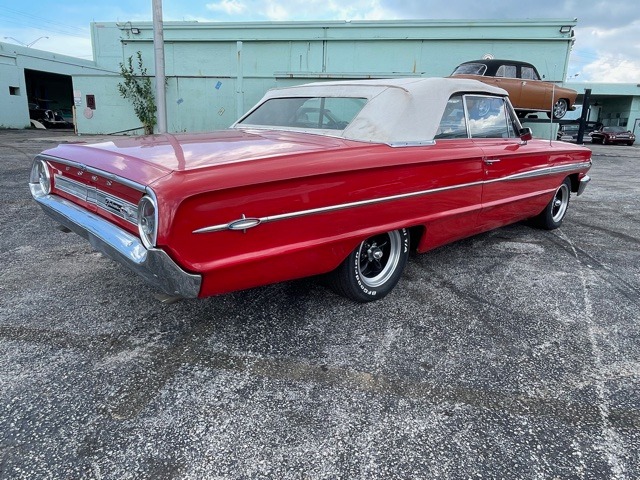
pixel 145 160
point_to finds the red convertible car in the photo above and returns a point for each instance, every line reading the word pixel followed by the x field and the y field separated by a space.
pixel 338 178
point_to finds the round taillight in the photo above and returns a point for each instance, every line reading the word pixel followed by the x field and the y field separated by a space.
pixel 148 221
pixel 40 177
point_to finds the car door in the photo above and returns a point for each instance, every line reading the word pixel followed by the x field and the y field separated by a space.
pixel 512 189
pixel 454 167
pixel 507 77
pixel 535 94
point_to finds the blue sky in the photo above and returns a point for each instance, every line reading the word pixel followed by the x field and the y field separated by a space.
pixel 607 47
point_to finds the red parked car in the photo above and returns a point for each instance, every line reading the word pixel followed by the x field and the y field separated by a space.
pixel 340 178
pixel 612 135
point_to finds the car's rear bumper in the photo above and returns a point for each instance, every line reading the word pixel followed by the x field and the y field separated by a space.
pixel 153 264
pixel 583 184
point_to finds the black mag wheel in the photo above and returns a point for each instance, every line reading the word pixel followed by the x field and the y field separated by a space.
pixel 373 268
pixel 553 214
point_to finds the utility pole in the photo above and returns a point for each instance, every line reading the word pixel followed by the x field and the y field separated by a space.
pixel 158 47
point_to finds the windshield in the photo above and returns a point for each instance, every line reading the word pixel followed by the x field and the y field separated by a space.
pixel 326 113
pixel 470 69
pixel 615 129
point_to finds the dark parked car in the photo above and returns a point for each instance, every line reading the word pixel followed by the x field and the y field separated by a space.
pixel 611 135
pixel 42 111
pixel 569 133
pixel 527 92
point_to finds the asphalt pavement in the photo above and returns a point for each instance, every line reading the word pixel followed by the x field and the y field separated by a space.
pixel 514 354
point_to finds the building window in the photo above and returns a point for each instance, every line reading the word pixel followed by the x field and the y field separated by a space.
pixel 91 102
pixel 14 90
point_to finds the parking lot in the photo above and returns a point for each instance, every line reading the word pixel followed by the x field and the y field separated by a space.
pixel 512 354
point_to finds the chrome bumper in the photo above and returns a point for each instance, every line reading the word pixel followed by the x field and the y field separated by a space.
pixel 153 264
pixel 583 184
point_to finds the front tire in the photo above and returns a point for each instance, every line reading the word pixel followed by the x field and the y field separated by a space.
pixel 553 214
pixel 559 108
pixel 373 268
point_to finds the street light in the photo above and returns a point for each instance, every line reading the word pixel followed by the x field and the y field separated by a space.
pixel 22 43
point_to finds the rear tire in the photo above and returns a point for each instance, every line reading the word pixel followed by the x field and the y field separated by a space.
pixel 553 214
pixel 373 268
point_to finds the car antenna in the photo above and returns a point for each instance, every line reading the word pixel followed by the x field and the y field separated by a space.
pixel 553 96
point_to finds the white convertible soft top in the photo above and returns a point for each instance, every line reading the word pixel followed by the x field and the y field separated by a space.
pixel 398 111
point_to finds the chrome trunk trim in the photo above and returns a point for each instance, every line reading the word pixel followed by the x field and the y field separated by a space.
pixel 109 203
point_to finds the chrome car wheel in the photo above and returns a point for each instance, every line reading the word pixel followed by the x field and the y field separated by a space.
pixel 378 258
pixel 560 108
pixel 372 269
pixel 553 214
pixel 560 203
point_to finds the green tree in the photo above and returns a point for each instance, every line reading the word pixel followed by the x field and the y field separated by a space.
pixel 138 89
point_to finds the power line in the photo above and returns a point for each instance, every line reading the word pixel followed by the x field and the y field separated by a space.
pixel 42 19
pixel 33 21
pixel 45 29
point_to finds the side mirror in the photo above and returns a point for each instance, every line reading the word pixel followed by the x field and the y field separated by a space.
pixel 525 134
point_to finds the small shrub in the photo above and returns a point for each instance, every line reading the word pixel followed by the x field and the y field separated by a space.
pixel 138 89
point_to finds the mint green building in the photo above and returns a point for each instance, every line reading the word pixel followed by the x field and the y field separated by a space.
pixel 216 71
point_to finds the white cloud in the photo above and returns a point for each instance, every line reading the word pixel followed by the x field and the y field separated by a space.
pixel 607 47
pixel 309 10
pixel 612 68
pixel 607 54
pixel 277 12
pixel 230 7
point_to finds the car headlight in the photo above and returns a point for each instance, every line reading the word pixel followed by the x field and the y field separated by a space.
pixel 40 180
pixel 148 221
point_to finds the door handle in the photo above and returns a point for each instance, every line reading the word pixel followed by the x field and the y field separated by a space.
pixel 491 161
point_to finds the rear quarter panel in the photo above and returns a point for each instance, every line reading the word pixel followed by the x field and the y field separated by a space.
pixel 315 243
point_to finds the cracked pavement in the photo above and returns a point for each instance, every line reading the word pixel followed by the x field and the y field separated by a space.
pixel 511 354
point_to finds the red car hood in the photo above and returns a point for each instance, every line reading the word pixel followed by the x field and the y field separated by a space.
pixel 146 159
